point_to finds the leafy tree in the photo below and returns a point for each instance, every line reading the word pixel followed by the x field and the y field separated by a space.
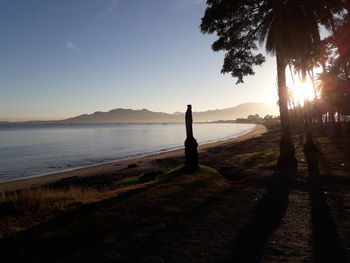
pixel 341 40
pixel 334 83
pixel 289 29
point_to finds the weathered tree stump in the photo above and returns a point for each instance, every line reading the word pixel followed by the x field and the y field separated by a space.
pixel 191 154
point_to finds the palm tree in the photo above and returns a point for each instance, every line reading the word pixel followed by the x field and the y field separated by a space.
pixel 326 83
pixel 341 40
pixel 313 59
pixel 289 29
pixel 335 83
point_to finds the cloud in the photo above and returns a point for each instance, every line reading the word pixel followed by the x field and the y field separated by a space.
pixel 70 44
pixel 112 6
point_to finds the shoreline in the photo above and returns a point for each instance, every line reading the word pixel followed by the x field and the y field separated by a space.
pixel 129 158
pixel 41 180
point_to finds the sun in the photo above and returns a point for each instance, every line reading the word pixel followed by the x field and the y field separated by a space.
pixel 300 90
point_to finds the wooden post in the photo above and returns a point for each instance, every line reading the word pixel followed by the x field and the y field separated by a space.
pixel 191 154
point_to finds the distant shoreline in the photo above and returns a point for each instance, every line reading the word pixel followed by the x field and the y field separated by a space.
pixel 145 116
pixel 92 170
pixel 121 123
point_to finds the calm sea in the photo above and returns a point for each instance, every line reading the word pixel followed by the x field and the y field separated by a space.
pixel 32 150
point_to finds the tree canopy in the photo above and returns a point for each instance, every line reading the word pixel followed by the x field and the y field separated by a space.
pixel 290 27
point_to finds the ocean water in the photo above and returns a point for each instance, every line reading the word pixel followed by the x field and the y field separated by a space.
pixel 33 150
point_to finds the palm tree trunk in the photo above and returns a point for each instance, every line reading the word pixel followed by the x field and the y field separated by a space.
pixel 287 158
pixel 333 123
pixel 309 143
pixel 319 115
pixel 346 71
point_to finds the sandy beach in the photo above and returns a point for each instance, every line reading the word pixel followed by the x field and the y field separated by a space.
pixel 143 163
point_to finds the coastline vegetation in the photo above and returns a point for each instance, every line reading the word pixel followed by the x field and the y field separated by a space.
pixel 26 208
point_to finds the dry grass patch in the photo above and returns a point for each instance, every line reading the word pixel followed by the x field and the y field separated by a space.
pixel 258 159
pixel 172 192
pixel 26 208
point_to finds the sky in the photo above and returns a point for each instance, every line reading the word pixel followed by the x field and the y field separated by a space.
pixel 64 58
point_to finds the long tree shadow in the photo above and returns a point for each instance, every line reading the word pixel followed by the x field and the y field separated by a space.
pixel 327 244
pixel 267 216
pixel 22 247
pixel 342 143
pixel 80 235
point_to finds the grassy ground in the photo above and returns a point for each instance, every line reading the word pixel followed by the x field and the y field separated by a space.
pixel 130 214
pixel 235 211
pixel 24 209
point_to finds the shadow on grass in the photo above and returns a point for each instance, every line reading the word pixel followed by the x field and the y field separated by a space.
pixel 327 244
pixel 342 143
pixel 266 217
pixel 27 246
pixel 62 236
pixel 113 230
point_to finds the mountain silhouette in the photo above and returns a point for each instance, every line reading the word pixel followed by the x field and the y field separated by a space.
pixel 122 116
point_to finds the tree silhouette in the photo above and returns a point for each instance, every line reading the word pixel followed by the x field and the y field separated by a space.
pixel 289 30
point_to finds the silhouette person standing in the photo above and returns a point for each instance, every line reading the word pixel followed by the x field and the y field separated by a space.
pixel 191 154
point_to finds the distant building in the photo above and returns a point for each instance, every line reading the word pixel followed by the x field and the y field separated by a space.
pixel 254 117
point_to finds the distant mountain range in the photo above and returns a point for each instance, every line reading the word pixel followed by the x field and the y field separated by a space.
pixel 146 116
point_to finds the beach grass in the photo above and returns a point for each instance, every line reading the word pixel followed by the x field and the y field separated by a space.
pixel 30 207
pixel 259 158
pixel 27 208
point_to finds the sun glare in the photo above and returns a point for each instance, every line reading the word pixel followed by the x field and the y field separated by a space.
pixel 300 91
